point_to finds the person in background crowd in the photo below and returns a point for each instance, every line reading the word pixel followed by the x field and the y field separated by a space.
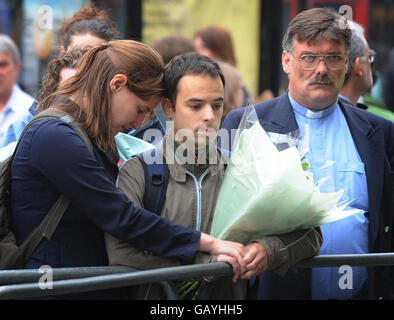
pixel 359 77
pixel 216 42
pixel 13 101
pixel 353 147
pixel 115 86
pixel 233 93
pixel 171 46
pixel 60 68
pixel 88 27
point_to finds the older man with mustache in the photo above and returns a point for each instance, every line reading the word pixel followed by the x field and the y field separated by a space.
pixel 357 145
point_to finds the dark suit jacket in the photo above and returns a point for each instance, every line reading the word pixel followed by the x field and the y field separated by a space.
pixel 374 138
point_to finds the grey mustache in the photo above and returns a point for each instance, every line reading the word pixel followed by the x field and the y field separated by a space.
pixel 324 80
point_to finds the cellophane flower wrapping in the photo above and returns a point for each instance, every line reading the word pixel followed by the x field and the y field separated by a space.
pixel 266 190
pixel 129 146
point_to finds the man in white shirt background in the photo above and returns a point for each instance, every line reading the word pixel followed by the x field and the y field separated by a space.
pixel 13 100
pixel 359 78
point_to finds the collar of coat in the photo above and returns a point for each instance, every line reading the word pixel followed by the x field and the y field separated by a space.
pixel 178 164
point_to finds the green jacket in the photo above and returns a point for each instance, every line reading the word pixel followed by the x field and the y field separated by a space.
pixel 378 108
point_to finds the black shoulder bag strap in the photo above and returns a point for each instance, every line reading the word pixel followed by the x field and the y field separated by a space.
pixel 156 181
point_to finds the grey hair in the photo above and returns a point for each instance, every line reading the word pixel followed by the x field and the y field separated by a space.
pixel 358 45
pixel 7 45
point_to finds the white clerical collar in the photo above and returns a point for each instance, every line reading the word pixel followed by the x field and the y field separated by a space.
pixel 312 114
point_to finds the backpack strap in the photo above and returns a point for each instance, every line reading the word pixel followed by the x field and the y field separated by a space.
pixel 45 230
pixel 156 182
pixel 47 114
pixel 54 114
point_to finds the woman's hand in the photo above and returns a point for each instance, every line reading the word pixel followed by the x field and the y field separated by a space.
pixel 227 251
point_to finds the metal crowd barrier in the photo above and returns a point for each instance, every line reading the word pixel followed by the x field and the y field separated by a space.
pixel 24 284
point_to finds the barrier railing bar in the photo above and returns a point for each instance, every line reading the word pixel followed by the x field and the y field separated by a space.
pixel 32 275
pixel 60 287
pixel 86 279
pixel 368 260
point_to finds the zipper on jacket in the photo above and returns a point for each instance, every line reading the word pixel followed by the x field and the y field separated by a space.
pixel 198 184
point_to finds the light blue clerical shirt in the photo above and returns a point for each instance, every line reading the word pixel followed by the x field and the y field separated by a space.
pixel 332 153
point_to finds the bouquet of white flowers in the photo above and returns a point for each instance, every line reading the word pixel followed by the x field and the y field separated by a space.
pixel 266 191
